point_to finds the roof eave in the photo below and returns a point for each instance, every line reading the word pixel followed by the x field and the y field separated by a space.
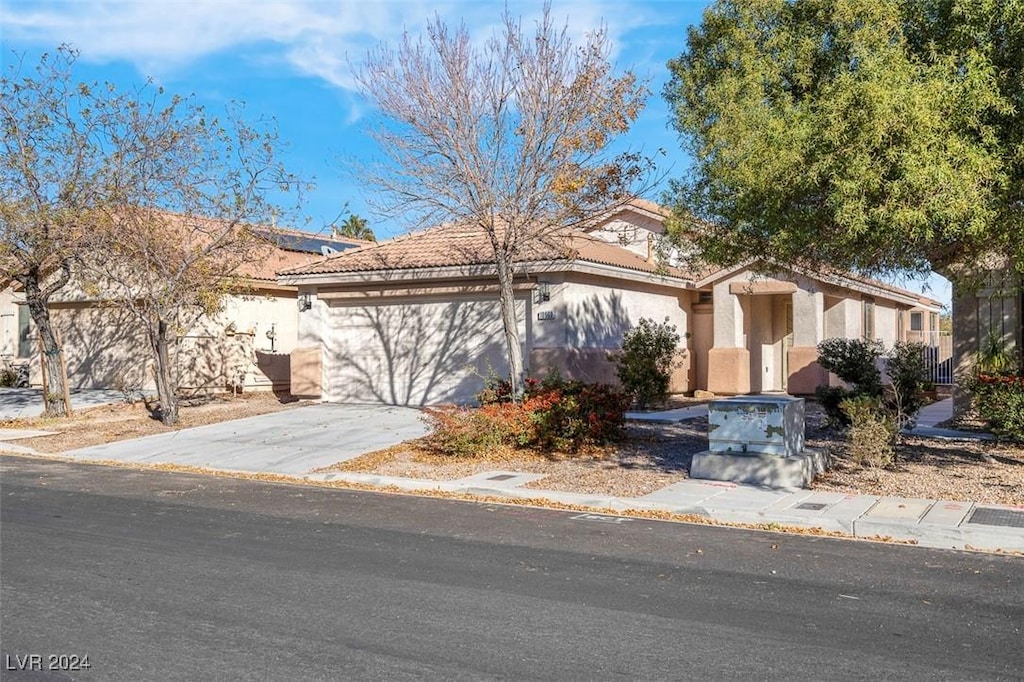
pixel 456 272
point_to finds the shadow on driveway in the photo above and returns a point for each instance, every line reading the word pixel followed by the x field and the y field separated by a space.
pixel 16 403
pixel 289 442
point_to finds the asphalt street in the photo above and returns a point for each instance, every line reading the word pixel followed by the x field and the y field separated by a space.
pixel 159 575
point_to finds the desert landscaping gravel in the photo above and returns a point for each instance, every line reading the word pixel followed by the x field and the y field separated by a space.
pixel 656 455
pixel 652 456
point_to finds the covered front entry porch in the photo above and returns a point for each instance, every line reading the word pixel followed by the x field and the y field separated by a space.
pixel 766 334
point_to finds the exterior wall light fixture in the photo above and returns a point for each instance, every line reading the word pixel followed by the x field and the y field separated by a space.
pixel 543 292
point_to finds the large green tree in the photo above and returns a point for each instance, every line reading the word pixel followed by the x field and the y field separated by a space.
pixel 873 135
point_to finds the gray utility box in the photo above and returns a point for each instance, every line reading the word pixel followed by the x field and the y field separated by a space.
pixel 756 425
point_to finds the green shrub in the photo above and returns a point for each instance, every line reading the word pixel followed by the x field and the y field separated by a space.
pixel 574 413
pixel 830 398
pixel 999 399
pixel 872 431
pixel 908 376
pixel 646 359
pixel 855 361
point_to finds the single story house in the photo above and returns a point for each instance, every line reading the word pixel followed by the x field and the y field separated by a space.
pixel 415 320
pixel 246 345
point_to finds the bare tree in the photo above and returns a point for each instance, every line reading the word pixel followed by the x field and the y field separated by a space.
pixel 51 178
pixel 510 137
pixel 184 190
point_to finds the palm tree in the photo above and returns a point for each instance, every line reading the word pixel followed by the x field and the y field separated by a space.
pixel 354 227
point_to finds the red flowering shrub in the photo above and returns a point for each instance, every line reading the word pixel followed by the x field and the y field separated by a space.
pixel 999 399
pixel 554 414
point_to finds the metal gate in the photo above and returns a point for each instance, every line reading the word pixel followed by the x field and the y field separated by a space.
pixel 937 353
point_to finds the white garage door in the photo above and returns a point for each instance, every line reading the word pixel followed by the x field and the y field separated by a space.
pixel 413 352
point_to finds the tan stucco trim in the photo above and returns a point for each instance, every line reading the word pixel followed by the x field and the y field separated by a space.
pixel 306 372
pixel 408 292
pixel 805 374
pixel 910 299
pixel 755 288
pixel 729 371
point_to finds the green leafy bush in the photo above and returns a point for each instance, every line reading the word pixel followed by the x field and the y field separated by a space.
pixel 830 397
pixel 908 376
pixel 646 359
pixel 870 437
pixel 554 414
pixel 855 361
pixel 999 399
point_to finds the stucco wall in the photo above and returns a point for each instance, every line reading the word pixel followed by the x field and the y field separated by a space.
pixel 886 329
pixel 765 329
pixel 591 316
pixel 8 324
pixel 638 233
pixel 843 318
pixel 106 347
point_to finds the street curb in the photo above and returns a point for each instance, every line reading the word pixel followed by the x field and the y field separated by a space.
pixel 854 522
pixel 857 525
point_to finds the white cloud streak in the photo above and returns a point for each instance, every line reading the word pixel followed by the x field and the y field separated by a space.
pixel 316 37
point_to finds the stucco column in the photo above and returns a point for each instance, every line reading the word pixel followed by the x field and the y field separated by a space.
pixel 805 374
pixel 728 359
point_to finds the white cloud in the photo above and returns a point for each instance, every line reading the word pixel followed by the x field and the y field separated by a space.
pixel 317 37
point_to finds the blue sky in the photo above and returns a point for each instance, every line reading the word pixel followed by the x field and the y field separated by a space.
pixel 290 60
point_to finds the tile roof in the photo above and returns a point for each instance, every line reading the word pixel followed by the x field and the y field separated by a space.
pixel 286 248
pixel 713 272
pixel 459 245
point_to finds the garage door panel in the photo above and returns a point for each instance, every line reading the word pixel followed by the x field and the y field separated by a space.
pixel 413 353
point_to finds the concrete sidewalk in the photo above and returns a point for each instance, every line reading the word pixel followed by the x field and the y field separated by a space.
pixel 940 411
pixel 929 523
pixel 295 442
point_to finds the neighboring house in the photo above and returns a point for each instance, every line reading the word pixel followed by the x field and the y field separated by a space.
pixel 14 326
pixel 415 320
pixel 990 317
pixel 246 345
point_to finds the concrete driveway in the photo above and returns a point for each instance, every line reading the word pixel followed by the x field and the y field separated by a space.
pixel 293 441
pixel 16 403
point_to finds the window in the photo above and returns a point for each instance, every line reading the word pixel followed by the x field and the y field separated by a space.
pixel 24 336
pixel 869 319
pixel 933 321
pixel 916 322
pixel 706 297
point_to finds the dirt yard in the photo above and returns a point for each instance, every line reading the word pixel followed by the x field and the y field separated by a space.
pixel 122 421
pixel 652 456
pixel 656 455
